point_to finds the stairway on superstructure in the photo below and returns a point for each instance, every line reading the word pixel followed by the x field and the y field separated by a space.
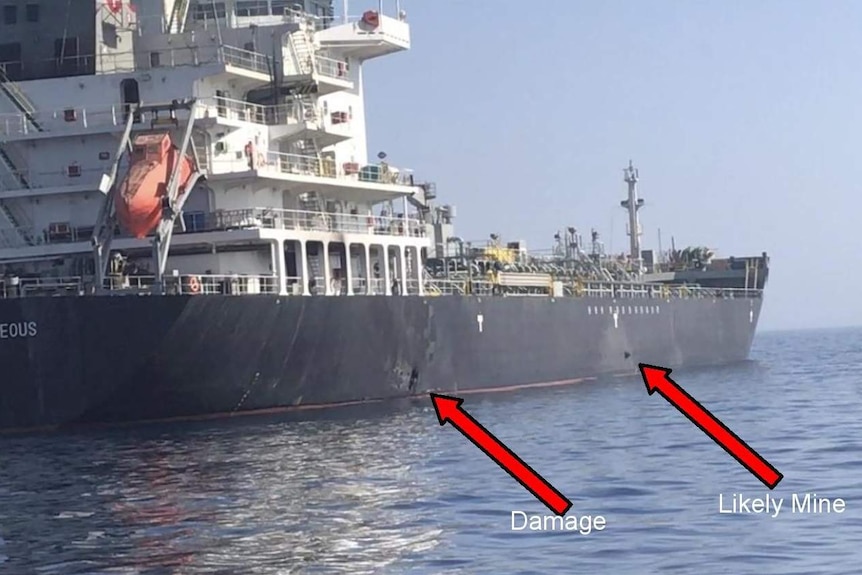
pixel 19 99
pixel 307 147
pixel 16 96
pixel 310 202
pixel 15 229
pixel 302 48
pixel 20 182
pixel 178 16
pixel 201 148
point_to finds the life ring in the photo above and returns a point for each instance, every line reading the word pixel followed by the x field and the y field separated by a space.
pixel 114 5
pixel 194 285
pixel 371 18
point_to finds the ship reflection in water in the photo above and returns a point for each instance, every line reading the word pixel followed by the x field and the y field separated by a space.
pixel 251 497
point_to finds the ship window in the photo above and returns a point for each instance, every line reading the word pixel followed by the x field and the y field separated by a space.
pixel 252 8
pixel 155 59
pixel 10 15
pixel 281 7
pixel 32 12
pixel 209 11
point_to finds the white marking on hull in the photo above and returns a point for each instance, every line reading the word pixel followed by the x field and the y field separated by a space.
pixel 616 319
pixel 480 319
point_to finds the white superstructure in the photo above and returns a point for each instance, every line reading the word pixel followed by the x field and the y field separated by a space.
pixel 271 98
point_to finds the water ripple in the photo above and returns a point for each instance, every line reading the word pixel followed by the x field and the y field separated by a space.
pixel 390 491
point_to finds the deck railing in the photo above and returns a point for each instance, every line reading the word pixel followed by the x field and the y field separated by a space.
pixel 304 220
pixel 223 220
pixel 618 297
pixel 242 111
pixel 297 164
pixel 114 116
pixel 246 59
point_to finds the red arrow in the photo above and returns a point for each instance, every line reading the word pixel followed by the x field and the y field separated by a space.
pixel 449 409
pixel 658 379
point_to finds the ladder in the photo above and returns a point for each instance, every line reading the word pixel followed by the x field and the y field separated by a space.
pixel 17 177
pixel 19 99
pixel 179 14
pixel 17 180
pixel 315 273
pixel 310 202
pixel 307 147
pixel 305 102
pixel 303 51
pixel 19 233
pixel 201 149
pixel 317 219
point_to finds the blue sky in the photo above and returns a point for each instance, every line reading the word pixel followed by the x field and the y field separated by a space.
pixel 743 118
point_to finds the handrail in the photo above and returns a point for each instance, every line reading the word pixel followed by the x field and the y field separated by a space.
pixel 10 180
pixel 305 220
pixel 267 115
pixel 298 164
pixel 114 115
pixel 246 59
pixel 244 284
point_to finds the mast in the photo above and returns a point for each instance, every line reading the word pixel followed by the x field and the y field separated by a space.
pixel 633 204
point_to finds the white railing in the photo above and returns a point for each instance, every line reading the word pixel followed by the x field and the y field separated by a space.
pixel 68 119
pixel 114 116
pixel 304 220
pixel 620 292
pixel 297 164
pixel 332 67
pixel 246 59
pixel 48 286
pixel 273 115
pixel 248 284
pixel 11 180
pixel 52 235
pixel 194 284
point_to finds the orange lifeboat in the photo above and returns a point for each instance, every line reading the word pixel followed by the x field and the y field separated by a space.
pixel 141 193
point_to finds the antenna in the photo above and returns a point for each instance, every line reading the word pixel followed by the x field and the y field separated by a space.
pixel 633 204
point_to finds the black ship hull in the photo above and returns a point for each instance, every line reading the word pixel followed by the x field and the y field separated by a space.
pixel 74 360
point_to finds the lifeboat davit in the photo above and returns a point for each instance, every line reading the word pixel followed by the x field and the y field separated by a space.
pixel 141 193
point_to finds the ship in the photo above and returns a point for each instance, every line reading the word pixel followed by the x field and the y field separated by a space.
pixel 191 226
